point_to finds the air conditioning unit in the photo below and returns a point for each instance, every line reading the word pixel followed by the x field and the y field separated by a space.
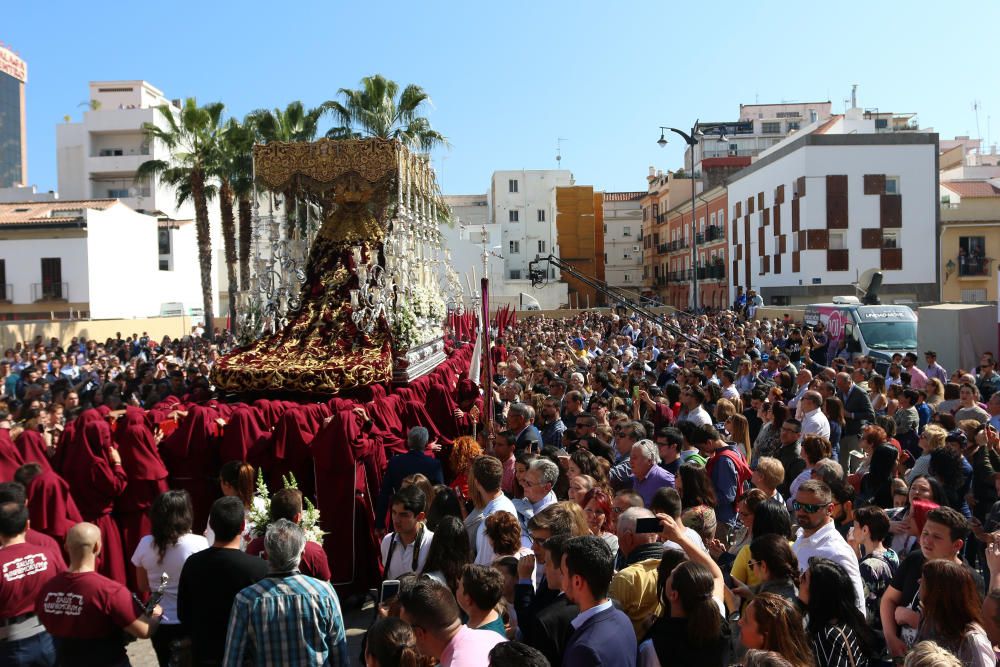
pixel 636 248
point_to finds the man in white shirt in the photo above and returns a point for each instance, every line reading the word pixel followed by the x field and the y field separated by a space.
pixel 813 419
pixel 487 474
pixel 802 381
pixel 406 549
pixel 692 397
pixel 818 536
pixel 539 479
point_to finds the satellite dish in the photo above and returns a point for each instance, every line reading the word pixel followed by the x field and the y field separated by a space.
pixel 868 285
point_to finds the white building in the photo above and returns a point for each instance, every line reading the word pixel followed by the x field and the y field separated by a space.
pixel 831 201
pixel 22 193
pixel 98 159
pixel 623 239
pixel 92 258
pixel 464 240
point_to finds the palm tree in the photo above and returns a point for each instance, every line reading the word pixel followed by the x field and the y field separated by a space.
pixel 234 169
pixel 192 136
pixel 242 136
pixel 375 111
pixel 294 123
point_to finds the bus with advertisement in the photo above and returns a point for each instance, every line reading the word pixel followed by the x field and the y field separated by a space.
pixel 878 331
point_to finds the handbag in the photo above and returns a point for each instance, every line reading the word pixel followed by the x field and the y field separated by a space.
pixel 847 644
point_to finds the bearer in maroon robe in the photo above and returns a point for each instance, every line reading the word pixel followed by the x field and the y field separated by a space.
pixel 240 434
pixel 191 454
pixel 10 457
pixel 31 443
pixel 93 469
pixel 51 508
pixel 147 478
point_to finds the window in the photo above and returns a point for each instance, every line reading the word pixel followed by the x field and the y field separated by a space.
pixel 515 247
pixel 892 185
pixel 164 265
pixel 973 295
pixel 117 193
pixel 722 217
pixel 512 185
pixel 605 229
pixel 626 230
pixel 972 260
pixel 792 125
pixel 712 219
pixel 541 215
pixel 512 216
pixel 164 241
pixel 52 285
pixel 4 292
pixel 515 274
pixel 890 238
pixel 626 255
pixel 605 258
pixel 626 277
pixel 541 246
pixel 770 128
pixel 836 241
pixel 881 123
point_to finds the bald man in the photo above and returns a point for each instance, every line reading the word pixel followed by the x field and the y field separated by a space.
pixel 85 612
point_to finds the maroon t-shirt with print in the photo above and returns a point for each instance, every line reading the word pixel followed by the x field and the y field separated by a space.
pixel 87 612
pixel 24 569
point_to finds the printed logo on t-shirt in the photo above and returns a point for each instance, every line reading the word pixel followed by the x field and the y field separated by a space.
pixel 64 604
pixel 25 566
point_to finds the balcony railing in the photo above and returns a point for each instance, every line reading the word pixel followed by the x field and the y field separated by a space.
pixel 679 244
pixel 8 292
pixel 661 281
pixel 974 267
pixel 713 272
pixel 662 248
pixel 50 291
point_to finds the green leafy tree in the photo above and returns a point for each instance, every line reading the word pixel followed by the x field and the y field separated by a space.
pixel 378 109
pixel 192 136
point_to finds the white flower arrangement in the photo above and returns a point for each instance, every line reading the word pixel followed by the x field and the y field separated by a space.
pixel 418 316
pixel 260 512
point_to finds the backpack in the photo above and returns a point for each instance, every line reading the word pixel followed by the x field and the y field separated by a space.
pixel 743 472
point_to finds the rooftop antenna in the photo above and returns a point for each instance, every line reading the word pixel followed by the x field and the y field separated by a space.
pixel 559 141
pixel 854 96
pixel 976 104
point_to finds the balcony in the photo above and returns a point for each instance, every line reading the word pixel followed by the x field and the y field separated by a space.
pixel 49 292
pixel 973 267
pixel 661 281
pixel 713 272
pixel 8 293
pixel 679 244
pixel 662 248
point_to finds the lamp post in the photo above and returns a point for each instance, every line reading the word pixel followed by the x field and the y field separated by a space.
pixel 691 140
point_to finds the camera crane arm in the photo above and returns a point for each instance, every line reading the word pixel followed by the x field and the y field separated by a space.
pixel 539 276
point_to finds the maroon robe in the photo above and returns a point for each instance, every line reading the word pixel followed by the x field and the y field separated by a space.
pixel 147 479
pixel 51 508
pixel 10 457
pixel 33 448
pixel 95 484
pixel 241 434
pixel 191 454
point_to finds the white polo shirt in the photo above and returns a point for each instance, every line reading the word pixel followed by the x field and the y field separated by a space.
pixel 828 543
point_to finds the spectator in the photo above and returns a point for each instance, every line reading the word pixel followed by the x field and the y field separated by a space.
pixel 626 435
pixel 877 566
pixel 550 628
pixel 487 473
pixel 85 612
pixel 516 654
pixel 163 554
pixel 968 404
pixel 520 422
pixel 404 465
pixel 817 535
pixel 647 475
pixel 837 628
pixel 774 566
pixel 876 485
pixel 950 613
pixel 432 612
pixel 602 634
pixel 390 642
pixel 857 412
pixel 942 538
pixel 236 478
pixel 932 438
pixel 601 517
pixel 286 618
pixel 634 585
pixel 479 591
pixel 773 623
pixel 449 552
pixel 504 534
pixel 405 549
pixel 814 448
pixel 929 654
pixel 503 450
pixel 790 454
pixel 768 476
pixel 539 481
pixel 211 579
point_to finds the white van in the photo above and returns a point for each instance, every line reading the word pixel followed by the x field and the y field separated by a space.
pixel 876 331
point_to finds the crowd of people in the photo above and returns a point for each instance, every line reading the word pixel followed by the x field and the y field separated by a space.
pixel 715 491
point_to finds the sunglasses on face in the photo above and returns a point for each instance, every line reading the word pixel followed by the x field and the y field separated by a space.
pixel 808 508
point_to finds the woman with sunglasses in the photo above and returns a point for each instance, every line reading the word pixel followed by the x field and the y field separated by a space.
pixel 837 628
pixel 775 566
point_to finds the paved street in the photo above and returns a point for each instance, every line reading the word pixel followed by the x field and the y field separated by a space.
pixel 357 621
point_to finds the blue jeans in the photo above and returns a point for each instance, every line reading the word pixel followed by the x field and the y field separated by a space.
pixel 37 651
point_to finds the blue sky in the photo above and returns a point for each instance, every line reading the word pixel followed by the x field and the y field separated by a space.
pixel 508 78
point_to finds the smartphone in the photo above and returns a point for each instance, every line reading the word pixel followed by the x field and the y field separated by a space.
pixel 647 525
pixel 390 589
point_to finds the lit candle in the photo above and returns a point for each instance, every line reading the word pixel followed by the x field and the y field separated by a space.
pixel 354 299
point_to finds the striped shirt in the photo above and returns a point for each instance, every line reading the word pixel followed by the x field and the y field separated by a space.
pixel 286 620
pixel 837 646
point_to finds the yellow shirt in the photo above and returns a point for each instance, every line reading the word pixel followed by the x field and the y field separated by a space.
pixel 741 568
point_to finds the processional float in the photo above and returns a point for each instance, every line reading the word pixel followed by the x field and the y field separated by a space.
pixel 345 286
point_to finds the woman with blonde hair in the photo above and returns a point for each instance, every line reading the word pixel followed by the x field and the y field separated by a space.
pixel 724 409
pixel 876 392
pixel 935 393
pixel 929 654
pixel 739 434
pixel 464 451
pixel 773 623
pixel 932 438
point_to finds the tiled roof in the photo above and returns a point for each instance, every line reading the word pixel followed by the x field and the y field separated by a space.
pixel 624 196
pixel 972 188
pixel 59 211
pixel 828 124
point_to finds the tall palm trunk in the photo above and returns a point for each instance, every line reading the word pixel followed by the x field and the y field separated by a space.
pixel 229 243
pixel 204 237
pixel 245 209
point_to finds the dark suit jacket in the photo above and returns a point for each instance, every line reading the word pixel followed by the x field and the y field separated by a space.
pixel 528 602
pixel 530 440
pixel 551 629
pixel 400 467
pixel 605 639
pixel 859 406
